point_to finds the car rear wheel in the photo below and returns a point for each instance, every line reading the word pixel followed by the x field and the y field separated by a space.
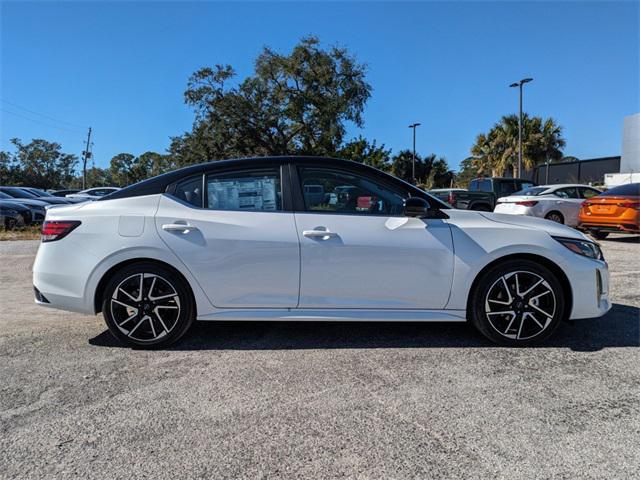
pixel 517 303
pixel 147 306
pixel 555 217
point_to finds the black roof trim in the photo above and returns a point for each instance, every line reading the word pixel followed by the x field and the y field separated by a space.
pixel 159 184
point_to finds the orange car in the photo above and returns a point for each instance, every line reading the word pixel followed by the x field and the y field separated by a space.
pixel 616 210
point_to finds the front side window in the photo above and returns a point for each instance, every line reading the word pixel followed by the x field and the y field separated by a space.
pixel 253 191
pixel 570 192
pixel 335 191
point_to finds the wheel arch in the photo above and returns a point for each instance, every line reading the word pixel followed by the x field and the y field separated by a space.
pixel 546 215
pixel 554 267
pixel 98 296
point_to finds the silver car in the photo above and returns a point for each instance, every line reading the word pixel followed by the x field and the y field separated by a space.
pixel 559 203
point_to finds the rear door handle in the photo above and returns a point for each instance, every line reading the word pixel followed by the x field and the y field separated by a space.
pixel 179 227
pixel 318 234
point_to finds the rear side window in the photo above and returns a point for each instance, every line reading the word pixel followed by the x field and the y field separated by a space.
pixel 252 191
pixel 480 186
pixel 190 191
pixel 630 189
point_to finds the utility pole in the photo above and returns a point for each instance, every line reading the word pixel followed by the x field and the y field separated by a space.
pixel 520 84
pixel 86 155
pixel 413 163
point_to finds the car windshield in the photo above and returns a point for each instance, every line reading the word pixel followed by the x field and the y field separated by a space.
pixel 38 192
pixel 18 192
pixel 628 190
pixel 532 191
pixel 4 196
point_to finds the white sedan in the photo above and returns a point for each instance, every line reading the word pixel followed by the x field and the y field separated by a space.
pixel 558 203
pixel 246 240
pixel 91 194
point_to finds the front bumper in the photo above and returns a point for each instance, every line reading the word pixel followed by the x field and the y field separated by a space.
pixel 591 291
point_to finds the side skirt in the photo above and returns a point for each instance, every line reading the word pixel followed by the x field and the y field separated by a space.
pixel 342 315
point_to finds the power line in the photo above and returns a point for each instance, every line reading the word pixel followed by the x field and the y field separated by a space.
pixel 39 121
pixel 41 114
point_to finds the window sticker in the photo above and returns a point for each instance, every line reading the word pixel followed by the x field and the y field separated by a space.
pixel 248 193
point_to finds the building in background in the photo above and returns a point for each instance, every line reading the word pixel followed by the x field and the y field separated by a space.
pixel 629 171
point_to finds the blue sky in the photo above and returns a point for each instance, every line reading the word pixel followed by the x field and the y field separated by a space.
pixel 121 68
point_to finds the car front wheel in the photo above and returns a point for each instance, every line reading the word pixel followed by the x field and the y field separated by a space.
pixel 147 306
pixel 517 303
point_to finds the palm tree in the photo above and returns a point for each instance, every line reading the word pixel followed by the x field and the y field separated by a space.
pixel 497 150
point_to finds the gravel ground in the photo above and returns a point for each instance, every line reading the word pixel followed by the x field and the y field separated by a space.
pixel 317 400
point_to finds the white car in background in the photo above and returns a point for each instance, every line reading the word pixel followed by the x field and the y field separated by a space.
pixel 558 203
pixel 245 240
pixel 92 194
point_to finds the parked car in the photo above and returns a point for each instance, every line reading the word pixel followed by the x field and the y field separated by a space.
pixel 446 194
pixel 62 193
pixel 558 203
pixel 616 210
pixel 20 193
pixel 157 255
pixel 46 195
pixel 92 193
pixel 36 207
pixel 12 215
pixel 484 192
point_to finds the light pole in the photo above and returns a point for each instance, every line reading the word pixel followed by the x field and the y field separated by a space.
pixel 520 84
pixel 413 163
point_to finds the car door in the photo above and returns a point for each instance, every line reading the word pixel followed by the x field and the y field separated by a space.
pixel 568 204
pixel 232 232
pixel 358 250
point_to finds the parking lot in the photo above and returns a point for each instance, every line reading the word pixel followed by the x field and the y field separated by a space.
pixel 318 400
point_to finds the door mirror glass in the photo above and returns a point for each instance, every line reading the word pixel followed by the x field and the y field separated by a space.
pixel 416 207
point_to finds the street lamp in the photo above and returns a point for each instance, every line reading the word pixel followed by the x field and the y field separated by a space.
pixel 519 84
pixel 413 163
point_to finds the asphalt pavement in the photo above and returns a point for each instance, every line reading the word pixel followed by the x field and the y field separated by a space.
pixel 314 400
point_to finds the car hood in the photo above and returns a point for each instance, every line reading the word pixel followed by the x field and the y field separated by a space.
pixel 10 204
pixel 552 228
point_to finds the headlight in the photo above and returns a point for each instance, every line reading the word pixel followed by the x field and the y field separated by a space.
pixel 582 247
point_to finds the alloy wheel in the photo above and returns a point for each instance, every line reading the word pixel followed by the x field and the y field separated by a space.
pixel 554 217
pixel 145 307
pixel 520 305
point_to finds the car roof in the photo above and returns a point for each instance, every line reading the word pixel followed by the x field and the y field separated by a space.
pixel 160 183
pixel 566 185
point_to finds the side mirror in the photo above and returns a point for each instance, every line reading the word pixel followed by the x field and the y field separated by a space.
pixel 416 207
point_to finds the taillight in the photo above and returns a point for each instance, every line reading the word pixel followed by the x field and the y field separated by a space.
pixel 451 198
pixel 53 230
pixel 527 203
pixel 629 205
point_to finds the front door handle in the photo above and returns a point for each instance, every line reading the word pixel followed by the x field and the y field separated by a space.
pixel 179 227
pixel 324 234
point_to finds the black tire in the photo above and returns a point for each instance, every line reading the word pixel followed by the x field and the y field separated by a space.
pixel 555 217
pixel 162 290
pixel 510 329
pixel 599 235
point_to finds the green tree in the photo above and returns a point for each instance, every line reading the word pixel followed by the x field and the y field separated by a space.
pixel 41 164
pixel 121 169
pixel 497 150
pixel 361 150
pixel 127 169
pixel 467 172
pixel 297 103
